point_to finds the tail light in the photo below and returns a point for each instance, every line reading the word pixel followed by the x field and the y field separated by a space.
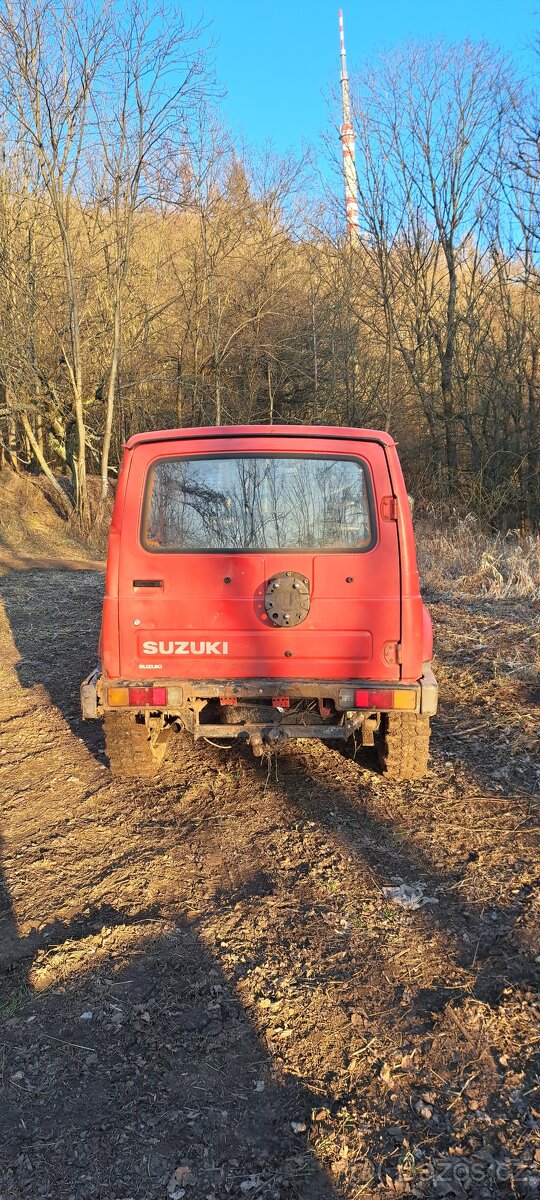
pixel 384 698
pixel 138 697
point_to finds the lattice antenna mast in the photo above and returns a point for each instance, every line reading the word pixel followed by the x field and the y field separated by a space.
pixel 346 134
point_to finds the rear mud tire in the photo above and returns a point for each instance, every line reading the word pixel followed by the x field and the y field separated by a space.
pixel 131 753
pixel 403 745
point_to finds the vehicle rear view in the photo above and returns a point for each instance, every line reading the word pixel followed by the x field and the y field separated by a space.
pixel 262 584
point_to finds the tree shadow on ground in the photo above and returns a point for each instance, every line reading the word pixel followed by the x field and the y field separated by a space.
pixel 116 1077
pixel 54 615
pixel 452 1016
pixel 481 941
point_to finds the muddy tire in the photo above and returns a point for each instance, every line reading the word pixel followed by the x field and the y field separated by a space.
pixel 403 745
pixel 130 752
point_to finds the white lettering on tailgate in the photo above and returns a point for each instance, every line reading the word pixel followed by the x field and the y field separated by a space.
pixel 185 648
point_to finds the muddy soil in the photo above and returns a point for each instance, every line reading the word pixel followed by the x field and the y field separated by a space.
pixel 206 991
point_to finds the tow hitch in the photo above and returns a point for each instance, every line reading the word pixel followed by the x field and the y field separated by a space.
pixel 260 738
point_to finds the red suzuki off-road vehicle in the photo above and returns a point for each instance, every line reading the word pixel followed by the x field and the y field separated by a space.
pixel 262 584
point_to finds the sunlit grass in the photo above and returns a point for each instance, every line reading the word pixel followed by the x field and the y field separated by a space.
pixel 464 558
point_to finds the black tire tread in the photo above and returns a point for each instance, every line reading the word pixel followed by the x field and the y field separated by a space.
pixel 129 750
pixel 404 745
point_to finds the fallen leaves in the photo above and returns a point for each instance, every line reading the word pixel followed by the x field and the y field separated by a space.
pixel 179 1178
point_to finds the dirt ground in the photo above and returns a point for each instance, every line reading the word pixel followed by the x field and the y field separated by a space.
pixel 205 990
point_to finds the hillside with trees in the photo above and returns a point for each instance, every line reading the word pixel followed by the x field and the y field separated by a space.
pixel 154 275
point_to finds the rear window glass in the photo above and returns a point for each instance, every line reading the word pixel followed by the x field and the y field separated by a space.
pixel 257 503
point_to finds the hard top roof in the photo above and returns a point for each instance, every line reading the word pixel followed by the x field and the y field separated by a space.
pixel 248 431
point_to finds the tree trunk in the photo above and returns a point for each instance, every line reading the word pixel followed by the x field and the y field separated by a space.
pixel 179 393
pixel 447 376
pixel 533 452
pixel 315 405
pixel 39 432
pixel 81 488
pixel 42 462
pixel 217 394
pixel 109 410
pixel 389 370
pixel 75 372
pixel 270 397
pixel 12 444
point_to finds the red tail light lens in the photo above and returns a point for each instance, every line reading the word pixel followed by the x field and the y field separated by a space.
pixel 373 699
pixel 141 697
pixel 382 699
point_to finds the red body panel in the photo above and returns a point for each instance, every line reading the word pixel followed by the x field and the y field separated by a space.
pixel 362 604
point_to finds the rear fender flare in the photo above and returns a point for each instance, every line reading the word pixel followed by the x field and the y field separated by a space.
pixel 427 635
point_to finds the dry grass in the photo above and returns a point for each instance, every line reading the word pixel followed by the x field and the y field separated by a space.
pixel 468 560
pixel 31 526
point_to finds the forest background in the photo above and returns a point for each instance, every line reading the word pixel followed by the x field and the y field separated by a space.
pixel 154 274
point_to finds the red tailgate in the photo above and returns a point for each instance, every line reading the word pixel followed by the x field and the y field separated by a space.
pixel 201 615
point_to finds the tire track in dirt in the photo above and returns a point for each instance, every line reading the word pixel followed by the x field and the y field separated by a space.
pixel 228 931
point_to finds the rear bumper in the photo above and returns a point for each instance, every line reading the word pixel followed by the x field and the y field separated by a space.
pixel 429 691
pixel 90 699
pixel 182 692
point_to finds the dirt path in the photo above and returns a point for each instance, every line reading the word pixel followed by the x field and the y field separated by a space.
pixel 204 989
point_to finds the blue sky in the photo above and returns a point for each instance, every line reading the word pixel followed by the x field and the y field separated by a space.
pixel 277 59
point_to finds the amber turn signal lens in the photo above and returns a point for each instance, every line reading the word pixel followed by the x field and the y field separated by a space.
pixel 117 696
pixel 405 700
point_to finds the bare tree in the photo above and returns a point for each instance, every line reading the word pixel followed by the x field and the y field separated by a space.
pixel 50 57
pixel 143 110
pixel 152 273
pixel 428 121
